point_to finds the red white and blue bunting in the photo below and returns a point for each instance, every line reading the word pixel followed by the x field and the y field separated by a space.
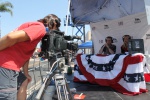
pixel 124 73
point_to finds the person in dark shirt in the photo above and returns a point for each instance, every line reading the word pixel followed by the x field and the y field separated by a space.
pixel 124 47
pixel 108 48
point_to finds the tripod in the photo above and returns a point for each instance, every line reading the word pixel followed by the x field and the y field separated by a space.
pixel 60 82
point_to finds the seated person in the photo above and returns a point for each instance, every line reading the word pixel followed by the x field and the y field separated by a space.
pixel 124 47
pixel 108 47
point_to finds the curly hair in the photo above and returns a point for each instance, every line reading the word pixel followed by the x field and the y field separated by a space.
pixel 50 21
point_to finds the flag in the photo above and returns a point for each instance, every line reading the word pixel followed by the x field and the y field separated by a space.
pixel 124 73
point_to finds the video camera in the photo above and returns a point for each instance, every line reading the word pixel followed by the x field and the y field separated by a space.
pixel 55 41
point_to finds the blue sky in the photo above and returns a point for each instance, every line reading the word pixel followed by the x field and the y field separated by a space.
pixel 32 10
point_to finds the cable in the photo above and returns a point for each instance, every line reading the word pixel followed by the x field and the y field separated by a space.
pixel 53 65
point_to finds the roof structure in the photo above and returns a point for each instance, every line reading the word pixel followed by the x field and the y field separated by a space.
pixel 86 11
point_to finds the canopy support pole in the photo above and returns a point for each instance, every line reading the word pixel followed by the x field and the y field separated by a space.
pixel 66 31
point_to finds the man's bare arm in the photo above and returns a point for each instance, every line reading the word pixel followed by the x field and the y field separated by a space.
pixel 12 38
pixel 101 50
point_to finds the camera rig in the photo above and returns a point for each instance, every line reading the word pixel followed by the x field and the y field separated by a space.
pixel 63 90
pixel 55 41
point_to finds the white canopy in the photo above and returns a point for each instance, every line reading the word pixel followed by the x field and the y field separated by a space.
pixel 86 11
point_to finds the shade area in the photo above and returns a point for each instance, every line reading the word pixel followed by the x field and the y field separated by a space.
pixel 87 44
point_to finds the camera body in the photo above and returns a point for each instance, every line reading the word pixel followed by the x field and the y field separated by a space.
pixel 55 41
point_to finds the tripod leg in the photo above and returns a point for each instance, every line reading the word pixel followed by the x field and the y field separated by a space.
pixel 58 88
pixel 61 84
pixel 65 93
pixel 68 89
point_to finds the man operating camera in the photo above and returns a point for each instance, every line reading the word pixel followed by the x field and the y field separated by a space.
pixel 16 48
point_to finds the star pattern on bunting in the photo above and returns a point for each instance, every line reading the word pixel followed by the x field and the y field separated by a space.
pixel 104 68
pixel 134 78
pixel 127 78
